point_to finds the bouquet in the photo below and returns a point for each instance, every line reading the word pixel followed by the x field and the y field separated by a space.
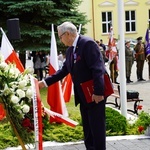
pixel 16 98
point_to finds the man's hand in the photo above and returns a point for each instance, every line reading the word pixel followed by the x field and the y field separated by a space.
pixel 97 98
pixel 41 84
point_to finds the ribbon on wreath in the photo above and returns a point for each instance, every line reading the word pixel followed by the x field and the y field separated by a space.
pixel 37 111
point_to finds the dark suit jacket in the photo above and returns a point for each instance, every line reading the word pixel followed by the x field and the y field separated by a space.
pixel 88 64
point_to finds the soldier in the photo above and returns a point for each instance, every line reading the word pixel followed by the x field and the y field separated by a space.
pixel 129 57
pixel 140 58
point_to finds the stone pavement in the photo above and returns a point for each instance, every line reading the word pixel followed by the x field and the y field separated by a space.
pixel 113 143
pixel 140 142
pixel 131 142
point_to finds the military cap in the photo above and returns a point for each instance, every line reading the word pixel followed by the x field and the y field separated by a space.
pixel 139 38
pixel 127 41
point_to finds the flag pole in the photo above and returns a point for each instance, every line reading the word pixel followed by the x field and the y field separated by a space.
pixel 123 96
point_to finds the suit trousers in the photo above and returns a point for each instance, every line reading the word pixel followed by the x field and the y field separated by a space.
pixel 94 128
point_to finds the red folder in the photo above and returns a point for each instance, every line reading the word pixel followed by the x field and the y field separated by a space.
pixel 88 88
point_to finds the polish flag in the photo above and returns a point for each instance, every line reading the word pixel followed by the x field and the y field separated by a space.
pixel 61 118
pixel 55 96
pixel 111 52
pixel 8 52
pixel 10 56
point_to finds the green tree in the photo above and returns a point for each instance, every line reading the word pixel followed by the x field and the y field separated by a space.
pixel 36 17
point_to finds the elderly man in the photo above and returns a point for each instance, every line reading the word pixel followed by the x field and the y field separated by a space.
pixel 84 62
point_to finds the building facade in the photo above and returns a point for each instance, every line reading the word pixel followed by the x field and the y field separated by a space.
pixel 101 13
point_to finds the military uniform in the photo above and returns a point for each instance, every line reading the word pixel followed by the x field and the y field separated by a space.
pixel 129 58
pixel 114 69
pixel 140 58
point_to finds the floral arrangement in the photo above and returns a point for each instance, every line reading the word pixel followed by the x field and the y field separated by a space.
pixel 16 97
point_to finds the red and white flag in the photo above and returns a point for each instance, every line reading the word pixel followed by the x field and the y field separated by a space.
pixel 61 118
pixel 55 96
pixel 111 52
pixel 10 56
pixel 8 52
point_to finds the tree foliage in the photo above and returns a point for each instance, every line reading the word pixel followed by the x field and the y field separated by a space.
pixel 36 17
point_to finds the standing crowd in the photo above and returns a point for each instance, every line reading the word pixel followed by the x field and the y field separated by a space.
pixel 41 61
pixel 137 54
pixel 132 54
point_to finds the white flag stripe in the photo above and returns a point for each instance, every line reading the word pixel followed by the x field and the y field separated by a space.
pixel 6 47
pixel 53 51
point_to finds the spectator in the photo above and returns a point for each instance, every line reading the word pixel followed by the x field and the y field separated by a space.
pixel 101 49
pixel 38 64
pixel 102 45
pixel 60 60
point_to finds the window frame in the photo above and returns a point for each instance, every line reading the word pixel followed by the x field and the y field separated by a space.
pixel 130 22
pixel 106 22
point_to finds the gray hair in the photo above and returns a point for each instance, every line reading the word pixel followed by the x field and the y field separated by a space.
pixel 67 26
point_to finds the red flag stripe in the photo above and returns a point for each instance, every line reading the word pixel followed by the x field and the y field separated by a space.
pixel 2 112
pixel 67 88
pixel 13 58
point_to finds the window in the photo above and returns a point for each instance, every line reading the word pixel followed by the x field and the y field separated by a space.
pixel 130 23
pixel 106 18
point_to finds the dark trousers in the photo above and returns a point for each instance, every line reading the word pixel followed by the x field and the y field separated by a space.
pixel 39 73
pixel 93 119
pixel 140 66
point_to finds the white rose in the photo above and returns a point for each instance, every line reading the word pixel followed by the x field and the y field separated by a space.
pixel 29 70
pixel 17 72
pixel 20 93
pixel 22 84
pixel 14 99
pixel 2 58
pixel 7 91
pixel 25 108
pixel 12 71
pixel 29 93
pixel 3 65
pixel 6 68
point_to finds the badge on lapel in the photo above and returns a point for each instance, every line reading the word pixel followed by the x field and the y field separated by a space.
pixel 76 58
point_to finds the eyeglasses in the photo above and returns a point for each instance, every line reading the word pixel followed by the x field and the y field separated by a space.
pixel 61 35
